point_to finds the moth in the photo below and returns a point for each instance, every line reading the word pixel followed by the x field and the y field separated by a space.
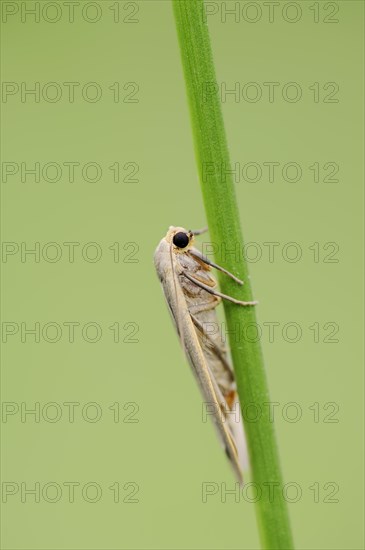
pixel 192 298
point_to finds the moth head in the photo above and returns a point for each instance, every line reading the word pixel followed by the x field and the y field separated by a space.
pixel 180 239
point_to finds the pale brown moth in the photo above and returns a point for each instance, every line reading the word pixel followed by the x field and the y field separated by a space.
pixel 191 295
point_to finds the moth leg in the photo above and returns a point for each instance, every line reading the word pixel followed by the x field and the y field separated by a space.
pixel 197 254
pixel 205 306
pixel 216 293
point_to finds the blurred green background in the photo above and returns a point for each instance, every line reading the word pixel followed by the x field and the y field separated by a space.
pixel 137 453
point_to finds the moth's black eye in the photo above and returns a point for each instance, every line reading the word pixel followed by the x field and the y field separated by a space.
pixel 181 240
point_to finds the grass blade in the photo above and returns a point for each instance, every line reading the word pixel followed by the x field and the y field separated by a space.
pixel 224 225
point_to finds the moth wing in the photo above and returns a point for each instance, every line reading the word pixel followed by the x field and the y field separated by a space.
pixel 231 411
pixel 190 342
pixel 212 395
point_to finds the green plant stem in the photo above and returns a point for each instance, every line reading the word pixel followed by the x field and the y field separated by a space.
pixel 224 225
